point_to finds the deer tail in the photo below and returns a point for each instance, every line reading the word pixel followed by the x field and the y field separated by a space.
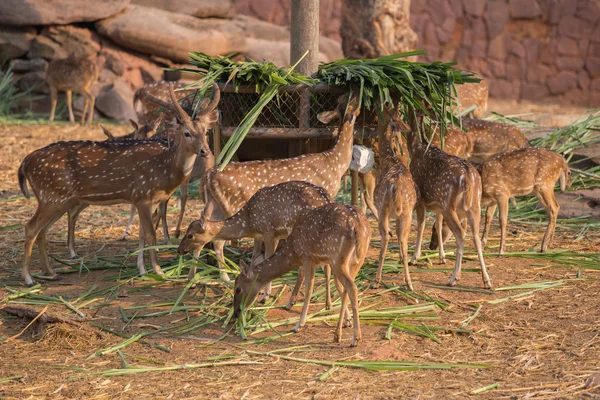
pixel 23 181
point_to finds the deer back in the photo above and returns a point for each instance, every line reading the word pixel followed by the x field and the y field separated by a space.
pixel 492 138
pixel 523 171
pixel 71 73
pixel 476 94
pixel 456 142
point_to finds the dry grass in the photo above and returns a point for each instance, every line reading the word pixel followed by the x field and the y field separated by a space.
pixel 541 345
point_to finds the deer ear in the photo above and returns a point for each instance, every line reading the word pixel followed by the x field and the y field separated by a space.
pixel 134 124
pixel 212 117
pixel 107 132
pixel 399 125
pixel 328 116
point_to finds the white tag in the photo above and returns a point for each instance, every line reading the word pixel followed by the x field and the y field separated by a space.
pixel 363 159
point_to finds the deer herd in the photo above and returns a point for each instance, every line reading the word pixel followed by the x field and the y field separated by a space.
pixel 291 200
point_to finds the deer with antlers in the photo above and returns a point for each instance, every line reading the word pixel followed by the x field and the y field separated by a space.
pixel 148 110
pixel 395 193
pixel 68 75
pixel 518 173
pixel 334 234
pixel 268 217
pixel 144 173
pixel 225 192
pixel 451 188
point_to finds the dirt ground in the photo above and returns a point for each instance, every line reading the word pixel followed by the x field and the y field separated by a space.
pixel 540 342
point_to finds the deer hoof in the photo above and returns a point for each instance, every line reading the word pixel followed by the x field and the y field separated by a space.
pixel 124 238
pixel 337 337
pixel 375 284
pixel 354 342
pixel 443 260
pixel 177 233
pixel 452 282
pixel 32 284
pixel 296 329
pixel 347 323
pixel 56 278
pixel 487 285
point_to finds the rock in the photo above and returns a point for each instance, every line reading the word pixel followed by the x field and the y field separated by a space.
pixel 574 27
pixel 132 60
pixel 496 16
pixel 113 63
pixel 276 52
pixel 501 88
pixel 547 54
pixel 524 9
pixel 538 73
pixel 106 77
pixel 15 43
pixel 61 41
pixel 44 47
pixel 594 50
pixel 588 11
pixel 116 101
pixel 498 68
pixel 22 65
pixel 583 80
pixel 33 81
pixel 474 7
pixel 595 36
pixel 534 91
pixel 136 28
pixel 498 47
pixel 569 63
pixel 562 82
pixel 579 204
pixel 195 8
pixel 532 49
pixel 50 12
pixel 592 65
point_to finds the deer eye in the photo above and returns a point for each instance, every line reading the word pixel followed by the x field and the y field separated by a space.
pixel 190 236
pixel 238 290
pixel 187 134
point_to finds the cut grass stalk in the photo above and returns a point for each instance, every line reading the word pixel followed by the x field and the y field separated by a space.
pixel 486 388
pixel 122 335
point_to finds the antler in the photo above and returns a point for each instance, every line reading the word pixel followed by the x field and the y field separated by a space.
pixel 161 103
pixel 183 116
pixel 215 101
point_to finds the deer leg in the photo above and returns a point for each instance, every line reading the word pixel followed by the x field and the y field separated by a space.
pixel 309 280
pixel 162 214
pixel 85 107
pixel 218 247
pixel 489 216
pixel 347 320
pixel 295 291
pixel 327 271
pixel 271 243
pixel 53 100
pixel 503 216
pixel 552 207
pixel 438 226
pixel 148 234
pixel 43 217
pixel 455 226
pixel 420 208
pixel 129 223
pixel 184 189
pixel 350 291
pixel 70 106
pixel 403 230
pixel 73 214
pixel 384 227
pixel 474 218
pixel 92 100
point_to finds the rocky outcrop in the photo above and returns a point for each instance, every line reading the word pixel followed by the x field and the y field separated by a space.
pixel 195 8
pixel 116 101
pixel 57 12
pixel 15 42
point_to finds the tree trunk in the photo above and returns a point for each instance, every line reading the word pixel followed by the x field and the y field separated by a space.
pixel 374 28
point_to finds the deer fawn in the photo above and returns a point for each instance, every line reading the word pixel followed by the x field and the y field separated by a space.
pixel 71 74
pixel 333 234
pixel 64 175
pixel 225 192
pixel 451 188
pixel 518 173
pixel 473 94
pixel 268 216
pixel 395 193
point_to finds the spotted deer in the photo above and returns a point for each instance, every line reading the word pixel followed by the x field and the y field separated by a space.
pixel 395 193
pixel 68 75
pixel 518 173
pixel 147 110
pixel 334 234
pixel 144 173
pixel 268 217
pixel 473 94
pixel 225 192
pixel 451 188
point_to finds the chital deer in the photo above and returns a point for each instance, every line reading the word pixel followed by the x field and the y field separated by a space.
pixel 518 173
pixel 451 188
pixel 268 217
pixel 333 234
pixel 395 193
pixel 144 173
pixel 228 190
pixel 473 94
pixel 481 141
pixel 160 90
pixel 140 132
pixel 68 75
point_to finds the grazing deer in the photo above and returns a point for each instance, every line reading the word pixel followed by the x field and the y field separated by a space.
pixel 456 142
pixel 140 132
pixel 395 193
pixel 334 234
pixel 473 94
pixel 144 173
pixel 268 216
pixel 451 188
pixel 518 173
pixel 71 74
pixel 225 192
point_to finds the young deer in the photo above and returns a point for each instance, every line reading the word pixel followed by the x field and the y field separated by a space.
pixel 333 234
pixel 451 188
pixel 71 74
pixel 395 193
pixel 144 173
pixel 225 192
pixel 268 216
pixel 473 94
pixel 519 173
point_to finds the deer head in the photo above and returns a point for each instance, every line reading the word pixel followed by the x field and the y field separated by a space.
pixel 193 131
pixel 200 232
pixel 347 106
pixel 246 289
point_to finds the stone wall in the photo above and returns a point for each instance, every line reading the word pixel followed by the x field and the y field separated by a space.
pixel 537 50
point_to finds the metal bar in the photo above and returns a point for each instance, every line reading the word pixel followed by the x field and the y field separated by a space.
pixel 295 133
pixel 354 196
pixel 318 88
